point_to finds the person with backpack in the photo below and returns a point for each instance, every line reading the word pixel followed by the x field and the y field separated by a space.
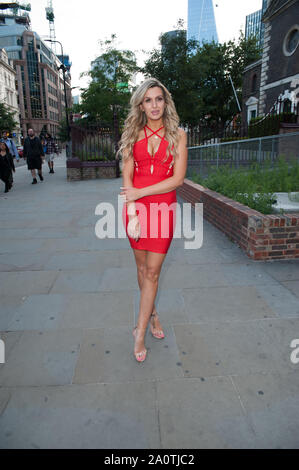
pixel 11 146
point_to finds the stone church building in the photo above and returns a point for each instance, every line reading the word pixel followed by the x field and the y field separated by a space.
pixel 272 83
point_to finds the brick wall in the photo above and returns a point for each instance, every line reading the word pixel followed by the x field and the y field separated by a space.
pixel 77 170
pixel 262 237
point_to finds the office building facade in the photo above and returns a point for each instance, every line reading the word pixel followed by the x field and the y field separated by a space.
pixel 201 21
pixel 255 26
pixel 39 81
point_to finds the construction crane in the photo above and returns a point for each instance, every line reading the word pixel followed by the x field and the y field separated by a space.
pixel 51 18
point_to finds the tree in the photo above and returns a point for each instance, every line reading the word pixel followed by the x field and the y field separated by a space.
pixel 198 76
pixel 109 89
pixel 62 134
pixel 171 65
pixel 7 120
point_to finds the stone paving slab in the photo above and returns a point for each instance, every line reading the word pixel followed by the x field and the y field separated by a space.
pixel 205 256
pixel 271 401
pixel 281 299
pixel 102 416
pixel 202 414
pixel 229 348
pixel 282 332
pixel 106 355
pixel 77 310
pixel 17 233
pixel 24 262
pixel 23 283
pixel 286 270
pixel 206 304
pixel 8 306
pixel 42 358
pixel 10 340
pixel 293 286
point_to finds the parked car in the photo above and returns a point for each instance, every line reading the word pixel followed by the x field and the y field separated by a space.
pixel 20 151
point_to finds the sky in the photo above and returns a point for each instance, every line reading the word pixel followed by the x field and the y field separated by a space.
pixel 81 26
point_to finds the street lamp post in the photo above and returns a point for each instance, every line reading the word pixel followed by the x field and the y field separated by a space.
pixel 62 67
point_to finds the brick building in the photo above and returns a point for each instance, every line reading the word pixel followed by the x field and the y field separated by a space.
pixel 275 77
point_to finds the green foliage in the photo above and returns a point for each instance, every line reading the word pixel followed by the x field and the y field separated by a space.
pixel 270 125
pixel 231 139
pixel 104 96
pixel 62 134
pixel 198 75
pixel 254 188
pixel 7 121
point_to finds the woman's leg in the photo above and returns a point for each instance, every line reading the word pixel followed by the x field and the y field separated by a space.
pixel 140 258
pixel 148 294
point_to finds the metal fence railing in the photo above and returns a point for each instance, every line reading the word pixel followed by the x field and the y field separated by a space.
pixel 243 153
pixel 93 143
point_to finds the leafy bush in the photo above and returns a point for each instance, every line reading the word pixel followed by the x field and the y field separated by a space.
pixel 254 188
pixel 270 125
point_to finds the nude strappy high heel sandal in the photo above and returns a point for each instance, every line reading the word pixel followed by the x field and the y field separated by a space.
pixel 160 334
pixel 140 357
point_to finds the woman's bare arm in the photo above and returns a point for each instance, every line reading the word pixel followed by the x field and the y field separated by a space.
pixel 127 177
pixel 179 171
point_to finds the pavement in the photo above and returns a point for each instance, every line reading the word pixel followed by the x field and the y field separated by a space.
pixel 224 377
pixel 287 203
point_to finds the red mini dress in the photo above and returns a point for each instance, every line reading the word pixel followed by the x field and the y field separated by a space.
pixel 156 213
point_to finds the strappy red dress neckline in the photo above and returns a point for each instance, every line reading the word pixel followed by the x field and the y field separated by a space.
pixel 153 132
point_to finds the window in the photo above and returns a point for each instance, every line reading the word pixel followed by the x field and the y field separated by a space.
pixel 254 83
pixel 253 114
pixel 34 82
pixel 291 41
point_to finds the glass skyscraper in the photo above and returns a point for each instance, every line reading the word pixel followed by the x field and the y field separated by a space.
pixel 201 21
pixel 255 26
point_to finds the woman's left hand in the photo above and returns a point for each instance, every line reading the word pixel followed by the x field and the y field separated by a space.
pixel 130 194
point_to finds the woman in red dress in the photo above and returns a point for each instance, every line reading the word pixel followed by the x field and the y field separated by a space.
pixel 154 157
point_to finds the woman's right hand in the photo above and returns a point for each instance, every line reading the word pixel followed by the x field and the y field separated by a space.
pixel 134 227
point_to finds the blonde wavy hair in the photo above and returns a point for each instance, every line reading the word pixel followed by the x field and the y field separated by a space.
pixel 136 120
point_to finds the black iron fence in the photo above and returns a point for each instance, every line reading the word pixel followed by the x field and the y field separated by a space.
pixel 207 133
pixel 93 143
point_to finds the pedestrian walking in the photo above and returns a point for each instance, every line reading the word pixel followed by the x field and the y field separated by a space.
pixel 11 146
pixel 6 166
pixel 154 154
pixel 51 150
pixel 34 153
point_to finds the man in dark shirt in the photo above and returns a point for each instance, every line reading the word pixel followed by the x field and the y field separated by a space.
pixel 34 153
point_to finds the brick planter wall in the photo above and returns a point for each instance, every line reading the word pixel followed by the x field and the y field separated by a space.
pixel 262 237
pixel 77 170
